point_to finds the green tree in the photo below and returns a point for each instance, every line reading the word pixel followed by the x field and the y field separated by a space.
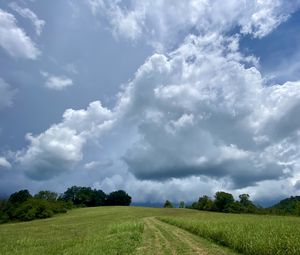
pixel 99 198
pixel 84 196
pixel 205 203
pixel 181 204
pixel 168 204
pixel 46 195
pixel 234 207
pixel 245 200
pixel 248 205
pixel 222 200
pixel 297 209
pixel 119 197
pixel 19 197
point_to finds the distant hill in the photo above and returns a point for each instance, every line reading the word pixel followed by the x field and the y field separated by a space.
pixel 288 205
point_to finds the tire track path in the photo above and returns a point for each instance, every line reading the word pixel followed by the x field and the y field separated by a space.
pixel 160 238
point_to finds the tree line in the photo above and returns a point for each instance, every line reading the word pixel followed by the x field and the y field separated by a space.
pixel 225 202
pixel 22 206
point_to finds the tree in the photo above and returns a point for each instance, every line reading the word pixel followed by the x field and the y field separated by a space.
pixel 234 207
pixel 99 198
pixel 84 196
pixel 248 205
pixel 205 203
pixel 222 200
pixel 19 197
pixel 46 195
pixel 297 209
pixel 71 194
pixel 181 204
pixel 244 200
pixel 168 204
pixel 119 197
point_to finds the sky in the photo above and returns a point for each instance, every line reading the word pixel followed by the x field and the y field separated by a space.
pixel 164 99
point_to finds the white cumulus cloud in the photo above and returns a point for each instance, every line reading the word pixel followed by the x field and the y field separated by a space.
pixel 200 115
pixel 6 94
pixel 4 163
pixel 14 40
pixel 161 22
pixel 59 148
pixel 27 13
pixel 200 111
pixel 57 82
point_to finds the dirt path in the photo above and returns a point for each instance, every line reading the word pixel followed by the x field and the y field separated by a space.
pixel 163 239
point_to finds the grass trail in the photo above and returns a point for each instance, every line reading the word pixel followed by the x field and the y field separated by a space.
pixel 163 239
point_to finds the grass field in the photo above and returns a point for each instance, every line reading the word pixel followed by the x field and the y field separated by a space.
pixel 137 230
pixel 247 234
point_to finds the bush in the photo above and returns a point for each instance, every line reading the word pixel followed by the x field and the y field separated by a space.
pixel 36 209
pixel 33 209
pixel 3 217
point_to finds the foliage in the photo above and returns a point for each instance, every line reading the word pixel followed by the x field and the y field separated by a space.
pixel 3 217
pixel 119 197
pixel 223 201
pixel 288 205
pixel 205 203
pixel 168 204
pixel 33 209
pixel 84 196
pixel 181 204
pixel 19 197
pixel 46 195
pixel 23 207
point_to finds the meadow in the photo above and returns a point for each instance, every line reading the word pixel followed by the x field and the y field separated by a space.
pixel 247 234
pixel 142 231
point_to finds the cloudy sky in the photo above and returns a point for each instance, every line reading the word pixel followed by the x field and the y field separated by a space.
pixel 165 99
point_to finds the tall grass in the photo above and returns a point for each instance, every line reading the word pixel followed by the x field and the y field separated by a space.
pixel 248 234
pixel 109 231
pixel 99 230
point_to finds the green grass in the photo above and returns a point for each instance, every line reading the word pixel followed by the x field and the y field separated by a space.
pixel 81 231
pixel 247 234
pixel 99 230
pixel 135 230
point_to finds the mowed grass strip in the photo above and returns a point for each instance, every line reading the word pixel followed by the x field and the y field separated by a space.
pixel 247 234
pixel 164 239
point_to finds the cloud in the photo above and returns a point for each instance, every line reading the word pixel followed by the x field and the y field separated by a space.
pixel 6 94
pixel 59 148
pixel 57 82
pixel 192 120
pixel 162 22
pixel 200 111
pixel 27 13
pixel 98 165
pixel 4 163
pixel 14 40
pixel 176 190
